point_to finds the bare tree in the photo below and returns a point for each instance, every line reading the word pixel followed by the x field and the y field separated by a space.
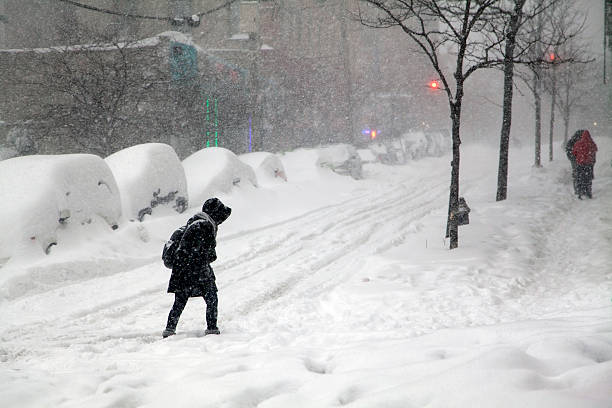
pixel 88 93
pixel 546 33
pixel 519 38
pixel 567 58
pixel 437 26
pixel 575 81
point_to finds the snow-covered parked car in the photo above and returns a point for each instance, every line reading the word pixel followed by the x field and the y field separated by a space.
pixel 367 156
pixel 150 177
pixel 215 170
pixel 41 193
pixel 426 144
pixel 267 166
pixel 342 159
pixel 8 153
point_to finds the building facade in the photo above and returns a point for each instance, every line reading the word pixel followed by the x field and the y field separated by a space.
pixel 271 75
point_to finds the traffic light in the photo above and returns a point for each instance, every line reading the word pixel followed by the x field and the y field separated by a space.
pixel 552 56
pixel 434 84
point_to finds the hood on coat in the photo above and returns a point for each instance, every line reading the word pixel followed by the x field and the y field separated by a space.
pixel 218 211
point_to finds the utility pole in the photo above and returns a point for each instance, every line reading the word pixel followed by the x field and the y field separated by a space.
pixel 553 100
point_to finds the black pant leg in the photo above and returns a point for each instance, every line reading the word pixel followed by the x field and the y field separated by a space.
pixel 574 177
pixel 582 173
pixel 180 300
pixel 589 181
pixel 210 297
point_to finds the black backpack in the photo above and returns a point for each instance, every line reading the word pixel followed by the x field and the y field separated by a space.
pixel 169 251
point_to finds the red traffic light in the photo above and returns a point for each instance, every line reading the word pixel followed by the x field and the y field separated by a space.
pixel 434 85
pixel 552 56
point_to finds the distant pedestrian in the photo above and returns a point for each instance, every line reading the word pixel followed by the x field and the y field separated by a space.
pixel 584 150
pixel 192 275
pixel 570 155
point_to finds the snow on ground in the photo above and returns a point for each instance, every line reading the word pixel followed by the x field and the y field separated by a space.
pixel 341 292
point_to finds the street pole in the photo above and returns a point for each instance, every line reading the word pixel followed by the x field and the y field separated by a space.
pixel 552 109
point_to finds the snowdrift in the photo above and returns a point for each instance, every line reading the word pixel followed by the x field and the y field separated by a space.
pixel 215 170
pixel 150 178
pixel 41 194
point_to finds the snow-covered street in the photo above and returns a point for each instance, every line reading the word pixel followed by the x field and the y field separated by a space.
pixel 334 291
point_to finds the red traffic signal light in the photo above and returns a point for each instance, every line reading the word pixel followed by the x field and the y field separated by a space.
pixel 434 85
pixel 552 56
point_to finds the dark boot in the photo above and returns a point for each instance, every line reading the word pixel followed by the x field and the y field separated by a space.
pixel 210 297
pixel 180 300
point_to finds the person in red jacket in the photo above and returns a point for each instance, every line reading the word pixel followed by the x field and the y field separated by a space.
pixel 584 151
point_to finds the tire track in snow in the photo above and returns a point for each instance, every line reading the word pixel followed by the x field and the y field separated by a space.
pixel 351 234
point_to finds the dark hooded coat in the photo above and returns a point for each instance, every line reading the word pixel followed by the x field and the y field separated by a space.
pixel 570 145
pixel 192 273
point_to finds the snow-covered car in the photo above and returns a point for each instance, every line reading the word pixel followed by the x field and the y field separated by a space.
pixel 367 156
pixel 267 166
pixel 425 144
pixel 150 177
pixel 8 153
pixel 342 159
pixel 215 170
pixel 42 193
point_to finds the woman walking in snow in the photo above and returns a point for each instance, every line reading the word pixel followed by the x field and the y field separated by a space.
pixel 192 275
pixel 584 150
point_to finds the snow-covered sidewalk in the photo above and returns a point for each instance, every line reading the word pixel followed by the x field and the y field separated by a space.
pixel 351 298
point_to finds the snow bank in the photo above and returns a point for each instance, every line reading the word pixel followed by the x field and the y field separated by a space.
pixel 267 166
pixel 215 170
pixel 42 193
pixel 150 177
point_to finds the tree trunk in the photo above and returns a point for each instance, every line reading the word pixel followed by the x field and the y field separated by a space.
pixel 566 116
pixel 538 118
pixel 552 114
pixel 452 229
pixel 504 142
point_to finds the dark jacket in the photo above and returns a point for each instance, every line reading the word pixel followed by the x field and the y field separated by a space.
pixel 570 145
pixel 196 251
